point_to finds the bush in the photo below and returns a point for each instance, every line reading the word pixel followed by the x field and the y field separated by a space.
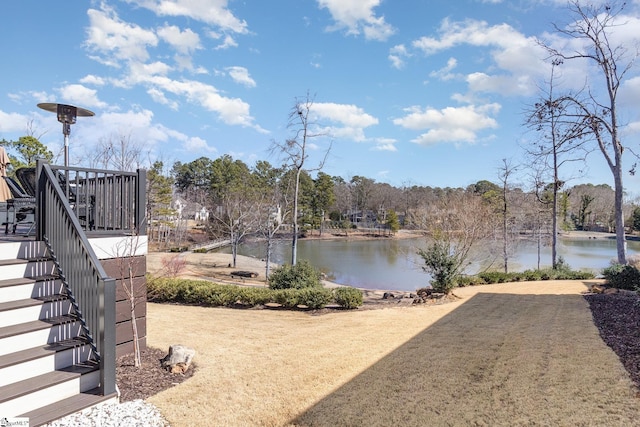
pixel 254 296
pixel 463 281
pixel 314 297
pixel 562 273
pixel 301 275
pixel 286 297
pixel 622 277
pixel 348 297
pixel 173 265
pixel 199 292
pixel 442 266
pixel 494 276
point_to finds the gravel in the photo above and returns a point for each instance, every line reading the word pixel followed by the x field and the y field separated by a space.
pixel 135 384
pixel 128 414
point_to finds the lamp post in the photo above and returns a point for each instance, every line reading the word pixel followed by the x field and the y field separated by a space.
pixel 67 116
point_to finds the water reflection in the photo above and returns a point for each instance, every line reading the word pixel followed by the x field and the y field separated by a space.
pixel 394 264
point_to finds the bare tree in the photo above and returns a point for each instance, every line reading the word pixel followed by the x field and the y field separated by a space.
pixel 118 151
pixel 296 153
pixel 505 172
pixel 238 215
pixel 562 129
pixel 593 28
pixel 457 223
pixel 129 262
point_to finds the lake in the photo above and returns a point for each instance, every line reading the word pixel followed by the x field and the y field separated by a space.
pixel 392 264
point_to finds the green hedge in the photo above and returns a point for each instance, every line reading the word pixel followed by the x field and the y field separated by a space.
pixel 622 277
pixel 348 297
pixel 213 294
pixel 534 275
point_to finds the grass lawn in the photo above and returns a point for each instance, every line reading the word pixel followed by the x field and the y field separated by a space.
pixel 508 354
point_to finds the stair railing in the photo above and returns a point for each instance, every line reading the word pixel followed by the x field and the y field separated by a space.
pixel 93 291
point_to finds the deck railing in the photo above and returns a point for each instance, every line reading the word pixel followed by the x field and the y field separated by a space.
pixel 62 222
pixel 106 202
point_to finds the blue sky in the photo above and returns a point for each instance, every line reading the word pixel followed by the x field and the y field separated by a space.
pixel 411 92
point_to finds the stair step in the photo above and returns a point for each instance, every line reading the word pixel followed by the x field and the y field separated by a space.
pixel 23 364
pixel 23 288
pixel 22 249
pixel 38 332
pixel 67 406
pixel 31 268
pixel 46 389
pixel 25 310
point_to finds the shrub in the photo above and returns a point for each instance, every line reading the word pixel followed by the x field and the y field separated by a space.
pixel 494 276
pixel 173 265
pixel 314 297
pixel 254 296
pixel 463 281
pixel 442 266
pixel 301 275
pixel 286 297
pixel 622 276
pixel 213 294
pixel 348 297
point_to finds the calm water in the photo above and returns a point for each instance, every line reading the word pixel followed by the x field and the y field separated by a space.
pixel 394 264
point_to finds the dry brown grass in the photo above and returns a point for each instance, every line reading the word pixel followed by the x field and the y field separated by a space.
pixel 522 354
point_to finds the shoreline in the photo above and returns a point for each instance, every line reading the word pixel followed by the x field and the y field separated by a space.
pixel 216 267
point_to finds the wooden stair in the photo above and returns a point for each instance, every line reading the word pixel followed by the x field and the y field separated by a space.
pixel 47 368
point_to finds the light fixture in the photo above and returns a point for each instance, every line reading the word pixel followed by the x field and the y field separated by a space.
pixel 67 116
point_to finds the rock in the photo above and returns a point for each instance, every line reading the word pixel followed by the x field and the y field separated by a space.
pixel 597 289
pixel 388 295
pixel 178 360
pixel 179 368
pixel 610 291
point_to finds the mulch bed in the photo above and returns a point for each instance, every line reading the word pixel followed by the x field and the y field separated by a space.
pixel 148 379
pixel 617 317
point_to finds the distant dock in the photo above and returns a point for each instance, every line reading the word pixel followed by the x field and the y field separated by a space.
pixel 213 244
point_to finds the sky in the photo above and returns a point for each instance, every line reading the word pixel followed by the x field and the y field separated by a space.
pixel 410 92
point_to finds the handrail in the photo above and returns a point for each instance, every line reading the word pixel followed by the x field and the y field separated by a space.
pixel 106 202
pixel 93 290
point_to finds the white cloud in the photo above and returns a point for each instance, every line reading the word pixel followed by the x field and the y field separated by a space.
pixel 227 42
pixel 77 94
pixel 198 145
pixel 12 122
pixel 385 144
pixel 518 60
pixel 451 124
pixel 90 79
pixel 349 120
pixel 159 97
pixel 241 75
pixel 112 39
pixel 348 115
pixel 357 17
pixel 397 55
pixel 630 92
pixel 185 42
pixel 213 12
pixel 445 72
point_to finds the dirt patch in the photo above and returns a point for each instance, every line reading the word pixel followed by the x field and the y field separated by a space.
pixel 148 379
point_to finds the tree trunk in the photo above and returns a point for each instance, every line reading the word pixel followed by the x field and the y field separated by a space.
pixel 621 243
pixel 137 362
pixel 294 242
